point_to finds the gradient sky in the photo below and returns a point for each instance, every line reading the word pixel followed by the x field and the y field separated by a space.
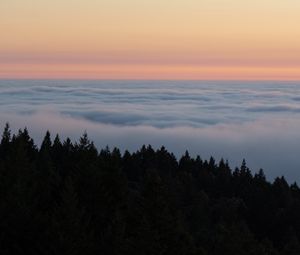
pixel 150 39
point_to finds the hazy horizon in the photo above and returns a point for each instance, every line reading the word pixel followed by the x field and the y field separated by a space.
pixel 257 121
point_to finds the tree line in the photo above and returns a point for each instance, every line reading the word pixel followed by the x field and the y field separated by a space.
pixel 69 198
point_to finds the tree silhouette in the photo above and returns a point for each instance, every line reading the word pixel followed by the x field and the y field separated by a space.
pixel 68 198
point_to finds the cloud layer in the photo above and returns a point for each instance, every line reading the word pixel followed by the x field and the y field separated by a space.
pixel 258 121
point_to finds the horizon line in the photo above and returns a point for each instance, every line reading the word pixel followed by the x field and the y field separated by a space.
pixel 138 79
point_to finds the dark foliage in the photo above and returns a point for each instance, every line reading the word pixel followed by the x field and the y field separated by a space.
pixel 65 198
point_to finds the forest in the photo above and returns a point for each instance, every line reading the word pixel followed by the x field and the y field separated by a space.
pixel 65 197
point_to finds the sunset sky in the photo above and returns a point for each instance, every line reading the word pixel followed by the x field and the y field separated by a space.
pixel 150 39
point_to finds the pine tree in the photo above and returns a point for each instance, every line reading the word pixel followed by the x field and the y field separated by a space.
pixel 71 230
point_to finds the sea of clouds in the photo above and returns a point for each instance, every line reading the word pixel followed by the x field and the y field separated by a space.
pixel 258 121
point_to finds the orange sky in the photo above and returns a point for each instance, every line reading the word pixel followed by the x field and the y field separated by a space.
pixel 150 39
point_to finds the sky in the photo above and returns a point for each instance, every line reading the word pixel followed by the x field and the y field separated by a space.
pixel 150 39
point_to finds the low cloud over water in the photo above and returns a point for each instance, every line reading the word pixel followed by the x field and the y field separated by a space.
pixel 259 121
